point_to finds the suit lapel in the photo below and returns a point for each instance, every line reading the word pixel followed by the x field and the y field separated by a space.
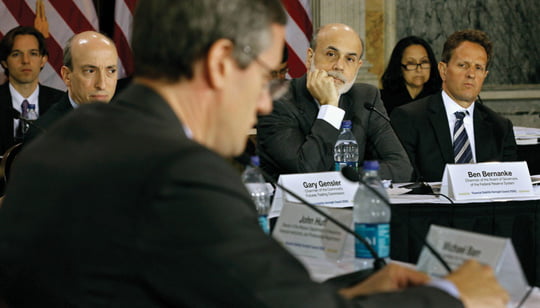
pixel 483 135
pixel 439 122
pixel 305 103
pixel 6 119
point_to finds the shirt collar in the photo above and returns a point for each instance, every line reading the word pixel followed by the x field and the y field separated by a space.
pixel 451 106
pixel 17 98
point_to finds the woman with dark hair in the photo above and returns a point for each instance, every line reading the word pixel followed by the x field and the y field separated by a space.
pixel 411 73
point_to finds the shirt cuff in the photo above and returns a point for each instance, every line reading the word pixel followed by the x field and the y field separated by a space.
pixel 445 285
pixel 331 114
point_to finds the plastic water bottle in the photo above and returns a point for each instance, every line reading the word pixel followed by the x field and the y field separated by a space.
pixel 371 217
pixel 346 148
pixel 30 117
pixel 260 192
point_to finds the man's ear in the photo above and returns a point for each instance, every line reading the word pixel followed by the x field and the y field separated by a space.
pixel 44 60
pixel 4 64
pixel 219 62
pixel 442 70
pixel 66 75
pixel 310 54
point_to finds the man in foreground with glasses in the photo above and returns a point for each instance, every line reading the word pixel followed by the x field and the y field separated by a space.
pixel 140 208
pixel 300 134
pixel 452 126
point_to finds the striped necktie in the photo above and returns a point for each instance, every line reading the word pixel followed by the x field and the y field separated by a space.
pixel 462 145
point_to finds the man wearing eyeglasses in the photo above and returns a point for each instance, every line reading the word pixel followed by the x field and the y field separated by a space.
pixel 300 134
pixel 23 54
pixel 453 126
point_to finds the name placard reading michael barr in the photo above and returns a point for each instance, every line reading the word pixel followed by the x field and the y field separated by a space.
pixel 456 246
pixel 487 180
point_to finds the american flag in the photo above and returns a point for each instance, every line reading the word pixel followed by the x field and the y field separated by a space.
pixel 298 34
pixel 58 20
pixel 123 17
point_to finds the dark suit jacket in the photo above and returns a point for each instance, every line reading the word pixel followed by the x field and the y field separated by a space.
pixel 57 111
pixel 47 97
pixel 131 213
pixel 291 139
pixel 423 129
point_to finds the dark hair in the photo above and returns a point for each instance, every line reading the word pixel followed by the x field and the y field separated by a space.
pixel 392 78
pixel 285 56
pixel 169 36
pixel 470 35
pixel 6 44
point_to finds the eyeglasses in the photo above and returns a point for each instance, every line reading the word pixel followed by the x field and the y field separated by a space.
pixel 276 87
pixel 280 73
pixel 414 66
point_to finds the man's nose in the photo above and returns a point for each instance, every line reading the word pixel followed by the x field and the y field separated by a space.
pixel 265 104
pixel 100 80
pixel 339 64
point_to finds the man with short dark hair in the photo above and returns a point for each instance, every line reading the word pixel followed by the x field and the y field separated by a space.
pixel 23 53
pixel 301 132
pixel 452 126
pixel 139 208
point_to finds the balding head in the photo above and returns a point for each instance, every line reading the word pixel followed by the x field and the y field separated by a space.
pixel 336 49
pixel 90 67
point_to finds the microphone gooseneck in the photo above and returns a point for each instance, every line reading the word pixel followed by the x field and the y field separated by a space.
pixel 17 115
pixel 352 176
pixel 378 262
pixel 419 187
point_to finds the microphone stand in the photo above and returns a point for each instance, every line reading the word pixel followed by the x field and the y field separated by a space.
pixel 419 187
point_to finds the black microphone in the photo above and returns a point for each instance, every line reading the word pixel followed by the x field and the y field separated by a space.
pixel 419 187
pixel 371 107
pixel 378 262
pixel 350 174
pixel 17 115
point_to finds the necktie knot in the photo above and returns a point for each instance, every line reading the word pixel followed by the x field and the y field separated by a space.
pixel 24 109
pixel 460 115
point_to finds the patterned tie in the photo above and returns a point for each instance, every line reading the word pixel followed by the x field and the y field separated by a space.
pixel 24 109
pixel 462 146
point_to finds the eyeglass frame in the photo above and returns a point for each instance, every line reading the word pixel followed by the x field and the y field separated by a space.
pixel 416 65
pixel 276 87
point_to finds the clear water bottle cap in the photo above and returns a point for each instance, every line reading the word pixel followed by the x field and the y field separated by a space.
pixel 371 165
pixel 346 124
pixel 255 161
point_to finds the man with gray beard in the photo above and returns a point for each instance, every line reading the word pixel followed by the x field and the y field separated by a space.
pixel 300 134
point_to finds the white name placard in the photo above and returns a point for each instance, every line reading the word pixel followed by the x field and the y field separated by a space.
pixel 487 180
pixel 330 189
pixel 456 246
pixel 304 232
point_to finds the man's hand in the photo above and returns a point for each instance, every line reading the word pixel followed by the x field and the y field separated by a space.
pixel 478 286
pixel 40 22
pixel 392 277
pixel 322 87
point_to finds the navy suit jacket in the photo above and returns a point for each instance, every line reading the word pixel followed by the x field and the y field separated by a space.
pixel 422 127
pixel 47 97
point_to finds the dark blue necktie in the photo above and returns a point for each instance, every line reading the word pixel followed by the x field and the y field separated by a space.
pixel 462 145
